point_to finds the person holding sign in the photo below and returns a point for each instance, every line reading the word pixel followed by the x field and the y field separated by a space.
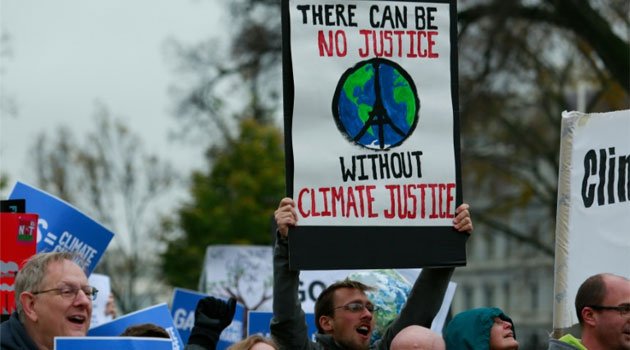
pixel 602 304
pixel 52 298
pixel 343 313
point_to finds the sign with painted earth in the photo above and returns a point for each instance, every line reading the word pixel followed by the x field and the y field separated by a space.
pixel 372 133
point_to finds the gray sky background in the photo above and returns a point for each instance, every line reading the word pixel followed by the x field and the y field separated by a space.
pixel 64 57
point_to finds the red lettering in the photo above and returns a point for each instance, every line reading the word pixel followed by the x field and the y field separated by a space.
pixel 313 207
pixel 414 200
pixel 392 213
pixel 341 34
pixel 337 196
pixel 399 34
pixel 442 213
pixel 388 38
pixel 361 204
pixel 449 200
pixel 421 52
pixel 351 203
pixel 433 211
pixel 370 199
pixel 300 208
pixel 324 192
pixel 321 41
pixel 423 213
pixel 365 33
pixel 411 35
pixel 431 43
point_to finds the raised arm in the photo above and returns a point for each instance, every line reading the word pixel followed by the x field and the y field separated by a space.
pixel 288 325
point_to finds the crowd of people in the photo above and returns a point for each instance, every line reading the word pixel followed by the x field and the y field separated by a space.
pixel 53 298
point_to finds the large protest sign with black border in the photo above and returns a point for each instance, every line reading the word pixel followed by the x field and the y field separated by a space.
pixel 371 133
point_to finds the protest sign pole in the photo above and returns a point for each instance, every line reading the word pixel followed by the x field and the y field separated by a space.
pixel 562 228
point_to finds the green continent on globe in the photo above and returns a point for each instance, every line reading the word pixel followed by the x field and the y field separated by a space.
pixel 358 79
pixel 403 93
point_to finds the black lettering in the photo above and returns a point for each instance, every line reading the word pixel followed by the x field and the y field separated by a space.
pixel 611 175
pixel 362 176
pixel 417 154
pixel 384 164
pixel 430 18
pixel 311 289
pixel 348 174
pixel 372 23
pixel 301 293
pixel 395 159
pixel 623 184
pixel 304 8
pixel 602 177
pixel 590 168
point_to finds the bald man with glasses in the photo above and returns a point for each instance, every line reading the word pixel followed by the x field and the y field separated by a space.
pixel 344 315
pixel 52 298
pixel 602 305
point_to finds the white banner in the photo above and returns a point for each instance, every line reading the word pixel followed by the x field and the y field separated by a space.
pixel 593 215
pixel 372 120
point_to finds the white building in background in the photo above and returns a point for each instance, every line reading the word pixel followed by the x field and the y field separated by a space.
pixel 513 276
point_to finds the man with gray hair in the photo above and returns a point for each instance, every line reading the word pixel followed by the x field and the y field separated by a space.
pixel 52 298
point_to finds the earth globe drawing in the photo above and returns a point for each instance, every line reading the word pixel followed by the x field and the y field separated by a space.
pixel 389 296
pixel 376 104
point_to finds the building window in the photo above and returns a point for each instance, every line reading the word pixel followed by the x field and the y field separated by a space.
pixel 468 297
pixel 534 292
pixel 506 295
pixel 488 293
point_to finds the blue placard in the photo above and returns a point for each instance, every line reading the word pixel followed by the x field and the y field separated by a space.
pixel 64 228
pixel 183 312
pixel 109 343
pixel 158 315
pixel 258 323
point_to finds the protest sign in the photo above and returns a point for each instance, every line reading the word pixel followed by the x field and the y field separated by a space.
pixel 183 312
pixel 63 227
pixel 108 343
pixel 99 305
pixel 18 232
pixel 592 218
pixel 258 323
pixel 371 133
pixel 253 265
pixel 158 315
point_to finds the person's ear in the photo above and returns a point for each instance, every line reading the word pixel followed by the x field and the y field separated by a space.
pixel 588 315
pixel 326 323
pixel 27 299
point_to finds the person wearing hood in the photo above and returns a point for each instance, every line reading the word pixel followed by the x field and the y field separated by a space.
pixel 481 329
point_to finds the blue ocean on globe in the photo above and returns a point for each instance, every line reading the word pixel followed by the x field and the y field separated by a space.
pixel 357 100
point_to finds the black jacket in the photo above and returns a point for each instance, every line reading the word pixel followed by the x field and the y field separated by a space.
pixel 14 336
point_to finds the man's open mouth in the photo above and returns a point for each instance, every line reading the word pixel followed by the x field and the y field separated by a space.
pixel 363 330
pixel 77 319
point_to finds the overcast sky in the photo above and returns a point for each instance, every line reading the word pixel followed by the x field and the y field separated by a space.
pixel 65 56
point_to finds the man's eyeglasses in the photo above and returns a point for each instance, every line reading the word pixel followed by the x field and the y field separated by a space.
pixel 358 307
pixel 624 310
pixel 71 292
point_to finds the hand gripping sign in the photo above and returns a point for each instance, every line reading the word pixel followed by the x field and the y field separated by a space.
pixel 372 135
